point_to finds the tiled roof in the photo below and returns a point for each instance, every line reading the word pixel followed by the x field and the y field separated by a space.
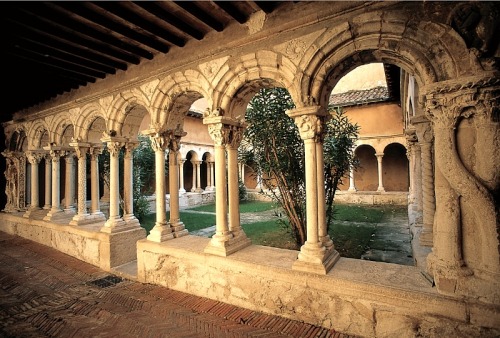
pixel 354 97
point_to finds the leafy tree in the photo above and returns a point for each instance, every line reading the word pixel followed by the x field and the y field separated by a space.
pixel 273 142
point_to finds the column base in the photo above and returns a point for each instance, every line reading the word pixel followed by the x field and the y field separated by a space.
pixel 178 229
pixel 380 189
pixel 160 233
pixel 30 212
pixel 55 214
pixel 46 207
pixel 352 190
pixel 316 259
pixel 116 224
pixel 83 219
pixel 199 190
pixel 130 219
pixel 182 191
pixel 225 245
pixel 70 210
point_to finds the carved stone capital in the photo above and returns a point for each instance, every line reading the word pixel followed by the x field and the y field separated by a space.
pixel 114 147
pixel 235 136
pixel 56 155
pixel 95 150
pixel 219 133
pixel 310 121
pixel 445 109
pixel 130 147
pixel 34 157
pixel 159 141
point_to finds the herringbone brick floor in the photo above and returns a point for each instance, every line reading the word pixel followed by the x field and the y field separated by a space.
pixel 45 293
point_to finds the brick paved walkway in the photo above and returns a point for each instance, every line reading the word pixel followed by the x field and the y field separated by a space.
pixel 45 293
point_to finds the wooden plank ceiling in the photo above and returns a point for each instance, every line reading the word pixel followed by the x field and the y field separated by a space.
pixel 49 48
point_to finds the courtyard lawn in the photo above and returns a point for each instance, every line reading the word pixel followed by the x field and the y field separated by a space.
pixel 351 240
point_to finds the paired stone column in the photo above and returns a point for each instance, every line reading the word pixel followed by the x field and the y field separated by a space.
pixel 95 205
pixel 425 141
pixel 161 231
pixel 128 184
pixel 69 186
pixel 181 176
pixel 225 132
pixel 48 181
pixel 464 265
pixel 34 158
pixel 380 156
pixel 55 210
pixel 174 140
pixel 115 222
pixel 81 150
pixel 318 254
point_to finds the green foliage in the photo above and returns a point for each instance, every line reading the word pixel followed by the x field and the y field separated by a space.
pixel 242 190
pixel 272 141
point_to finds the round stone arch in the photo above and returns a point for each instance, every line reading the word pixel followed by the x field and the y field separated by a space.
pixel 127 111
pixel 431 52
pixel 366 174
pixel 174 95
pixel 35 133
pixel 18 140
pixel 264 69
pixel 395 172
pixel 59 128
pixel 87 115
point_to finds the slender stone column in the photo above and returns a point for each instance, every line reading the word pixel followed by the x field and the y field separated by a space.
pixel 128 184
pixel 225 132
pixel 48 181
pixel 160 232
pixel 34 158
pixel 198 177
pixel 69 187
pixel 212 175
pixel 55 210
pixel 380 172
pixel 425 140
pixel 181 176
pixel 352 186
pixel 314 256
pixel 95 205
pixel 115 222
pixel 242 173
pixel 81 217
pixel 176 226
pixel 193 177
pixel 234 140
pixel 209 178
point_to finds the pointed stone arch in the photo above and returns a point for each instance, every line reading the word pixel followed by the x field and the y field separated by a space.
pixel 252 72
pixel 430 51
pixel 175 94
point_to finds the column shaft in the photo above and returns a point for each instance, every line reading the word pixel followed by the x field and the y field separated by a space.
pixel 234 201
pixel 380 172
pixel 48 182
pixel 69 187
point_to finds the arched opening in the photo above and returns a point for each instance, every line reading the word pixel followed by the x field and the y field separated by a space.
pixel 365 175
pixel 395 164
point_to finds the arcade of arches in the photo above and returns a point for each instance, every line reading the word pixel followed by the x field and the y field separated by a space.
pixel 450 91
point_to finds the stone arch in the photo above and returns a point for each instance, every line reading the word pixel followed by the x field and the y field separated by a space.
pixel 174 95
pixel 35 133
pixel 264 69
pixel 366 174
pixel 395 168
pixel 87 115
pixel 59 127
pixel 429 51
pixel 17 142
pixel 127 111
pixel 96 129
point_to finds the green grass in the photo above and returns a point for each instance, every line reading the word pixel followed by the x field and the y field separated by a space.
pixel 245 207
pixel 351 240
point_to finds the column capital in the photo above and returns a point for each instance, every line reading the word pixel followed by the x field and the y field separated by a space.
pixel 81 148
pixel 310 121
pixel 224 130
pixel 34 157
pixel 379 155
pixel 96 149
pixel 130 146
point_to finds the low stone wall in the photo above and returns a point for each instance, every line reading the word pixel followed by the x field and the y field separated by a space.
pixel 85 242
pixel 372 198
pixel 189 199
pixel 369 299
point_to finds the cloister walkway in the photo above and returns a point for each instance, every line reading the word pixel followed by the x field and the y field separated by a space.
pixel 45 293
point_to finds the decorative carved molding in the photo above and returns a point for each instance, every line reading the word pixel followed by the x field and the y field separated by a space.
pixel 159 141
pixel 235 136
pixel 211 68
pixel 34 157
pixel 219 133
pixel 114 147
